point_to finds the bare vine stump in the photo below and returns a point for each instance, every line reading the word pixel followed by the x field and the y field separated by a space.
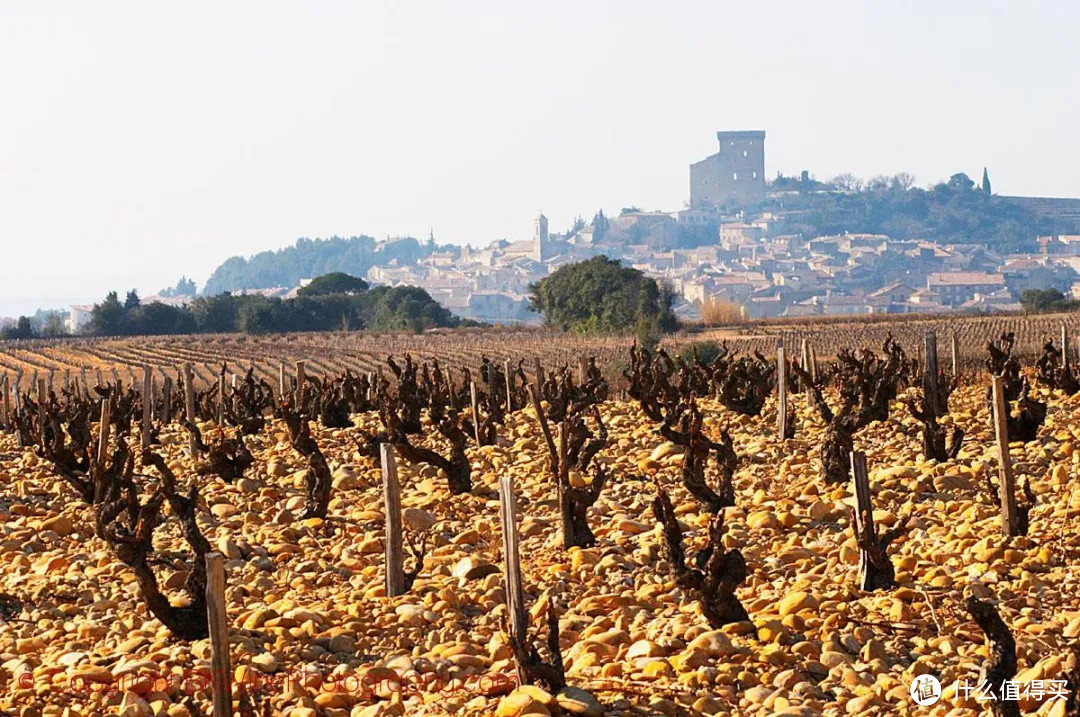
pixel 1000 665
pixel 876 570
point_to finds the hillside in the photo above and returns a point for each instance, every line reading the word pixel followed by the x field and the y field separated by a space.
pixel 309 258
pixel 952 212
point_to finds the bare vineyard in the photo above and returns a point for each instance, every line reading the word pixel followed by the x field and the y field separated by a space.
pixel 516 523
pixel 971 332
pixel 325 354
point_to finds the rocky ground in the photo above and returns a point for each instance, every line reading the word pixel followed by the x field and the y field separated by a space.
pixel 313 633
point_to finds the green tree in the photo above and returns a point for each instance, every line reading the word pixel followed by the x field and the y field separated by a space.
pixel 602 295
pixel 131 300
pixel 337 282
pixel 1046 300
pixel 985 182
pixel 600 225
pixel 23 329
pixel 107 318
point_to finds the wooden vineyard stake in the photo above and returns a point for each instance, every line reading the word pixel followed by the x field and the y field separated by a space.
pixel 100 378
pixel 864 513
pixel 6 401
pixel 583 370
pixel 131 376
pixel 166 400
pixel 475 412
pixel 218 622
pixel 1006 480
pixel 42 397
pixel 813 363
pixel 450 387
pixel 85 385
pixel 566 518
pixel 103 433
pixel 781 393
pixel 189 406
pixel 515 595
pixel 116 378
pixel 281 381
pixel 1064 347
pixel 805 359
pixel 147 404
pixel 52 371
pixel 299 398
pixel 930 375
pixel 538 371
pixel 509 386
pixel 395 561
pixel 221 397
pixel 955 359
pixel 33 382
pixel 67 380
pixel 18 384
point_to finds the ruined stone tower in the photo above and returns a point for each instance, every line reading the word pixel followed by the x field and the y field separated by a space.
pixel 734 175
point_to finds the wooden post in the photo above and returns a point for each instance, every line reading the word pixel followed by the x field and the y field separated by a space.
pixel 147 404
pixel 166 400
pixel 564 513
pixel 450 387
pixel 85 385
pixel 475 411
pixel 18 388
pixel 805 360
pixel 6 401
pixel 781 393
pixel 103 433
pixel 67 380
pixel 116 378
pixel 864 510
pixel 189 406
pixel 221 397
pixel 583 370
pixel 515 595
pixel 42 397
pixel 100 378
pixel 931 400
pixel 813 363
pixel 395 562
pixel 1006 480
pixel 281 381
pixel 955 358
pixel 509 386
pixel 300 383
pixel 1064 347
pixel 538 371
pixel 218 622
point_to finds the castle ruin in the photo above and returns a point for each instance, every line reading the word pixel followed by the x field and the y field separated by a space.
pixel 734 175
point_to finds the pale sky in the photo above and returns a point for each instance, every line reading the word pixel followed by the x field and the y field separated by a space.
pixel 141 141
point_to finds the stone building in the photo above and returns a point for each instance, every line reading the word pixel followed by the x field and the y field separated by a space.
pixel 734 175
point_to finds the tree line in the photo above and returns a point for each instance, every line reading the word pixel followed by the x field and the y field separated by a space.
pixel 331 302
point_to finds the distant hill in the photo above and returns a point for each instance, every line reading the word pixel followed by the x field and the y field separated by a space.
pixel 952 212
pixel 310 258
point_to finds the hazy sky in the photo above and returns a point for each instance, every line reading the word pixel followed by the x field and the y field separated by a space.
pixel 141 141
